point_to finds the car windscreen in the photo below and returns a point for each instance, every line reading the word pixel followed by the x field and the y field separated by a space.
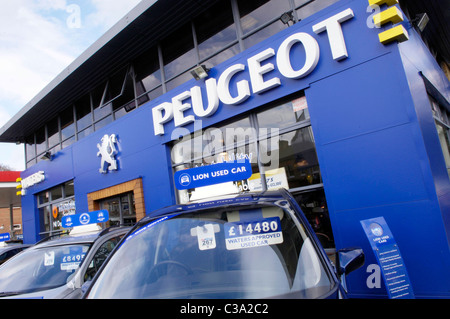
pixel 41 269
pixel 255 252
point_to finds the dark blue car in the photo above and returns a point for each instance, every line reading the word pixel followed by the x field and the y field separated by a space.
pixel 246 246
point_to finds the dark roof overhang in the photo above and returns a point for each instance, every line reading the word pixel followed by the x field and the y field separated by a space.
pixel 137 31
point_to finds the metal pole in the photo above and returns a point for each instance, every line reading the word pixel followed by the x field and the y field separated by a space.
pixel 11 218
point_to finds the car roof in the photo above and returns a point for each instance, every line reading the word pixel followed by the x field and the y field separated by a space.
pixel 13 246
pixel 84 238
pixel 220 201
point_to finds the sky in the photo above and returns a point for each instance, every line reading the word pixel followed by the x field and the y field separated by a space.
pixel 38 39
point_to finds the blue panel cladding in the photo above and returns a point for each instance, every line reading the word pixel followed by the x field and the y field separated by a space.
pixel 374 163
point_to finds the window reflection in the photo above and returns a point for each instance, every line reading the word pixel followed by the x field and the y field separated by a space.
pixel 264 34
pixel 178 51
pixel 41 144
pixel 255 13
pixel 102 111
pixel 30 147
pixel 215 29
pixel 126 97
pixel 53 132
pixel 115 85
pixel 285 115
pixel 83 112
pixel 178 80
pixel 297 154
pixel 311 7
pixel 222 56
pixel 67 123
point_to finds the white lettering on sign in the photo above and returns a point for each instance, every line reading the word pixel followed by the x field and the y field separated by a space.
pixel 312 55
pixel 335 34
pixel 33 179
pixel 223 86
pixel 259 72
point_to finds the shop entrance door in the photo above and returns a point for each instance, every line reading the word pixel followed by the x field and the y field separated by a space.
pixel 121 209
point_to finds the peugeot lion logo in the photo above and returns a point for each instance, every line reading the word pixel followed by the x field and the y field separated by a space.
pixel 107 150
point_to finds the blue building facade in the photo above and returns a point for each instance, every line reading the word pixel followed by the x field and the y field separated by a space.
pixel 369 111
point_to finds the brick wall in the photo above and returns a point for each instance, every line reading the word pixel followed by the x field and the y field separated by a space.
pixel 134 186
pixel 5 222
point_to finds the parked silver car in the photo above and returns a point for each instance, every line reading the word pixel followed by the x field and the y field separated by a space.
pixel 57 267
pixel 248 246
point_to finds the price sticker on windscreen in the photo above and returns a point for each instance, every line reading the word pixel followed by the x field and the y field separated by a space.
pixel 249 234
pixel 206 237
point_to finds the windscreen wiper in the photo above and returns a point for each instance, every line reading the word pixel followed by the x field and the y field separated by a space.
pixel 9 293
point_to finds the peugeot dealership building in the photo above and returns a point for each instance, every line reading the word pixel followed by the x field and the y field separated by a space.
pixel 338 101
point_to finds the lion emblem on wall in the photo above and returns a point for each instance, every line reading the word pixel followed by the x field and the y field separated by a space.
pixel 107 150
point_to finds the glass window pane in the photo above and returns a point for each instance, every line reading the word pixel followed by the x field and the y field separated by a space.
pixel 128 209
pixel 215 29
pixel 264 34
pixel 314 206
pixel 443 133
pixel 68 142
pixel 85 132
pixel 83 112
pixel 148 73
pixel 126 97
pixel 56 193
pixel 69 189
pixel 222 56
pixel 245 152
pixel 158 91
pixel 188 148
pixel 238 132
pixel 41 144
pixel 102 111
pixel 113 207
pixel 312 7
pixel 119 113
pixel 43 197
pixel 178 51
pixel 30 147
pixel 45 218
pixel 103 122
pixel 53 132
pixel 115 85
pixel 178 80
pixel 254 13
pixel 67 124
pixel 296 155
pixel 97 95
pixel 285 115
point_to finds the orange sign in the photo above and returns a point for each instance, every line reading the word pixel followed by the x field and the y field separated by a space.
pixel 55 211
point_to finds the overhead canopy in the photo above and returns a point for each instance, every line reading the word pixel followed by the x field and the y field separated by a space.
pixel 8 189
pixel 437 31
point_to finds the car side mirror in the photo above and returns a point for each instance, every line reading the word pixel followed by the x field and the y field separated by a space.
pixel 349 259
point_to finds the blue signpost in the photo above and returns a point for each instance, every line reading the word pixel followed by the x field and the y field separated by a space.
pixel 98 216
pixel 4 237
pixel 388 255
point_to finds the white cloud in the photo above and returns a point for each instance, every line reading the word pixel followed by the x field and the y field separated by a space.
pixel 33 51
pixel 37 42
